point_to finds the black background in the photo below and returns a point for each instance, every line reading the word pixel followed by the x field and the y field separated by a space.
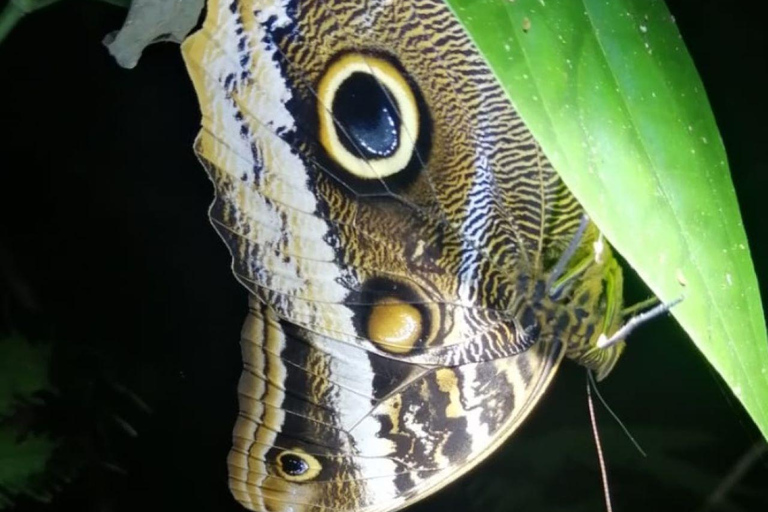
pixel 108 254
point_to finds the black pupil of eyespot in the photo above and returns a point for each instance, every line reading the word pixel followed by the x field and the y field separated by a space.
pixel 368 117
pixel 293 465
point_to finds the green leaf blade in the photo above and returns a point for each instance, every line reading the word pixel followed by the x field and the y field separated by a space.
pixel 23 372
pixel 612 96
pixel 23 458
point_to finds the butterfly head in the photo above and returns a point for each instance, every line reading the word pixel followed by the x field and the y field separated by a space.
pixel 597 306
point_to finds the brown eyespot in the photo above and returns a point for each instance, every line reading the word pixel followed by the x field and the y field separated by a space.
pixel 394 325
pixel 396 316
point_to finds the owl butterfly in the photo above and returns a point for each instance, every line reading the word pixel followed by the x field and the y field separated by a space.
pixel 399 230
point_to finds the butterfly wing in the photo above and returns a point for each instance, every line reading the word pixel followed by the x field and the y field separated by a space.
pixel 392 216
pixel 325 426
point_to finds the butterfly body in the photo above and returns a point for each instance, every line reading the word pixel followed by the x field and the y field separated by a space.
pixel 397 227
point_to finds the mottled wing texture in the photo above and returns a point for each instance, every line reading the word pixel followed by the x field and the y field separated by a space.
pixel 394 221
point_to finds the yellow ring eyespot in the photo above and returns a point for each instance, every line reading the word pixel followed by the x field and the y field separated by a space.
pixel 395 326
pixel 297 465
pixel 368 116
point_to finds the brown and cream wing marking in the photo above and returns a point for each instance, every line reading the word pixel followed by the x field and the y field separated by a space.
pixel 317 433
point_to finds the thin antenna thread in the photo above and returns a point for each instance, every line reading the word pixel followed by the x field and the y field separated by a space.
pixel 599 446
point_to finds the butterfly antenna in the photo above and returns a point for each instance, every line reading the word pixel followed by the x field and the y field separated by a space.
pixel 567 255
pixel 636 321
pixel 599 446
pixel 632 439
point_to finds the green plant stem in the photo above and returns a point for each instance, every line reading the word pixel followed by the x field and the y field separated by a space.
pixel 9 17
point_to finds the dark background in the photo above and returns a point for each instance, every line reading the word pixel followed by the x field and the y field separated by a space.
pixel 106 252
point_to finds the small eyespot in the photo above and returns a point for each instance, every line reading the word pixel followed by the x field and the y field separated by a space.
pixel 293 465
pixel 369 117
pixel 297 465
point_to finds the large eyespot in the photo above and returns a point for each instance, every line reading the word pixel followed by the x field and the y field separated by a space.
pixel 297 465
pixel 370 117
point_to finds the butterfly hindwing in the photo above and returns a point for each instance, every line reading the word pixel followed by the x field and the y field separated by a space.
pixel 371 433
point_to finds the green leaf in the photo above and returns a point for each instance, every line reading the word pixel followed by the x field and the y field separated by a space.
pixel 23 371
pixel 612 96
pixel 22 460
